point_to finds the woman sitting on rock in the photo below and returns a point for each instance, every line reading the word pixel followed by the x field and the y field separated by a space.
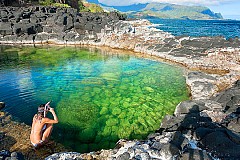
pixel 42 126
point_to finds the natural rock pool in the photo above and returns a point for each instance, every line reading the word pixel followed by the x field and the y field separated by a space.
pixel 99 97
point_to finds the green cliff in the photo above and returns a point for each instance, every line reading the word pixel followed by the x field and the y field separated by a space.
pixel 172 11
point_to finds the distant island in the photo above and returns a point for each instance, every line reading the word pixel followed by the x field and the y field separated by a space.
pixel 163 10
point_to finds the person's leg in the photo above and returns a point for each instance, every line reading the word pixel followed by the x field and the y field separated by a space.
pixel 47 132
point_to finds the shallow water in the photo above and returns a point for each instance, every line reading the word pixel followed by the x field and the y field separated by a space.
pixel 99 96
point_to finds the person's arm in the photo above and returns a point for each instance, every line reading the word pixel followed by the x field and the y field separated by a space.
pixel 55 118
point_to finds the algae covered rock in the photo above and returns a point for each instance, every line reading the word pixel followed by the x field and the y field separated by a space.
pixel 149 89
pixel 112 122
pixel 116 111
pixel 104 110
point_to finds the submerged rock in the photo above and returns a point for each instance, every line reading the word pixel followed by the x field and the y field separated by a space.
pixel 192 132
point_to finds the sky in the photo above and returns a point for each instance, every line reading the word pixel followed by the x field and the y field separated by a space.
pixel 228 8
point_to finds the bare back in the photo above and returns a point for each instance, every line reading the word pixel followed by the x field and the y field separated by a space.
pixel 36 132
pixel 42 127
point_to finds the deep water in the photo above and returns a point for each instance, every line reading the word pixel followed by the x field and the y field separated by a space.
pixel 99 96
pixel 198 28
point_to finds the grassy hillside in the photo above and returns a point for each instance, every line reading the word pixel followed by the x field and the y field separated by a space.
pixel 92 7
pixel 163 10
pixel 171 11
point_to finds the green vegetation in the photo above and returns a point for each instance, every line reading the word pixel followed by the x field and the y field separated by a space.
pixel 46 2
pixel 52 3
pixel 62 3
pixel 77 4
pixel 94 8
pixel 90 7
pixel 171 11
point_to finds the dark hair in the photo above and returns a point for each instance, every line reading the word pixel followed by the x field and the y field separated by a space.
pixel 41 108
pixel 40 112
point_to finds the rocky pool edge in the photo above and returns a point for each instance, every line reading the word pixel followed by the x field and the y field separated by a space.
pixel 215 96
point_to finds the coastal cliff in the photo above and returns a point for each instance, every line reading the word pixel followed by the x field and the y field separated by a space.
pixel 213 63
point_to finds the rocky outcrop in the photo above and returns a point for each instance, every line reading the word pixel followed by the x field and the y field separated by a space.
pixel 2 105
pixel 5 154
pixel 39 24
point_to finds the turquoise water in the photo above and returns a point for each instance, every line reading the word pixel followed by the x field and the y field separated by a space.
pixel 197 28
pixel 99 97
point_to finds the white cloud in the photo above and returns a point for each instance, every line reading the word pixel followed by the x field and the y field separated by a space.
pixel 185 2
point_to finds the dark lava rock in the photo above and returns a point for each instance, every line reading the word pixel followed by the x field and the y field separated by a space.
pixel 153 135
pixel 66 155
pixel 2 105
pixel 218 42
pixel 237 84
pixel 199 76
pixel 169 150
pixel 17 156
pixel 171 123
pixel 196 43
pixel 182 52
pixel 194 154
pixel 179 140
pixel 222 144
pixel 38 20
pixel 164 48
pixel 123 156
pixel 189 106
pixel 156 145
pixel 5 28
pixel 191 121
pixel 5 153
pixel 201 132
pixel 142 156
pixel 230 98
pixel 234 125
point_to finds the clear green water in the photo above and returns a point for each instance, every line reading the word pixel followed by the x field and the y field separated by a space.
pixel 99 97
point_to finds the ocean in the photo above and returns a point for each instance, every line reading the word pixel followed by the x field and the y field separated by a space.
pixel 198 28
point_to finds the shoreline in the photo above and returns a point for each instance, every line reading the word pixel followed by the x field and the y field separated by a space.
pixel 145 55
pixel 207 90
pixel 14 137
pixel 106 48
pixel 221 71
